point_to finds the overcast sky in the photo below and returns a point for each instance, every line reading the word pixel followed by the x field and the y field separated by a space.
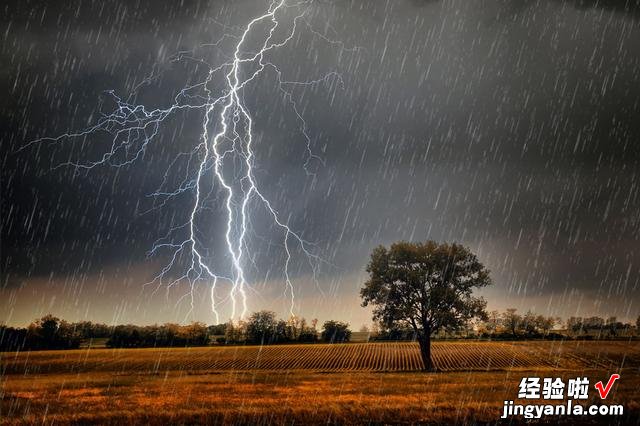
pixel 511 127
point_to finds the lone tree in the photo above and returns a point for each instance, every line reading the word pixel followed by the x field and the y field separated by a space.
pixel 426 286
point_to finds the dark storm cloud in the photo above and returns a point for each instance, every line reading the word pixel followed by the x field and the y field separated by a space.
pixel 509 126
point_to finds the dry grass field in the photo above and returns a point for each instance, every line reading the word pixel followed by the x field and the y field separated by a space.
pixel 301 384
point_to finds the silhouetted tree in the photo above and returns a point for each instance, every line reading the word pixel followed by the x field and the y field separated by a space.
pixel 396 331
pixel 235 332
pixel 530 323
pixel 196 334
pixel 307 334
pixel 593 323
pixel 218 329
pixel 262 327
pixel 335 332
pixel 545 324
pixel 614 326
pixel 575 325
pixel 493 322
pixel 512 321
pixel 50 332
pixel 12 339
pixel 425 285
pixel 91 330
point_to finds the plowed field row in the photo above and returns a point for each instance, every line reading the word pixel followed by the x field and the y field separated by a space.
pixel 401 356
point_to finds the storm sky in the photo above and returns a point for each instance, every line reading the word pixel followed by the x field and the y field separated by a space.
pixel 511 127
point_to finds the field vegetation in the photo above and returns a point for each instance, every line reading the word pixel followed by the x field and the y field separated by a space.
pixel 307 384
pixel 379 357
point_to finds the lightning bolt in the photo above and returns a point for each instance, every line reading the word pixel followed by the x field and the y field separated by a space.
pixel 224 150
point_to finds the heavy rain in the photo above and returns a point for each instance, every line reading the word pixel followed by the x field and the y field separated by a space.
pixel 204 162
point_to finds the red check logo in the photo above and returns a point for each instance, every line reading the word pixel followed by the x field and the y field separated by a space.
pixel 604 391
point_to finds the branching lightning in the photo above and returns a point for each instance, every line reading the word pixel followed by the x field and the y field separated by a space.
pixel 226 141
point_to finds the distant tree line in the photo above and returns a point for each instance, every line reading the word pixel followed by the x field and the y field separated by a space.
pixel 261 328
pixel 264 328
pixel 165 335
pixel 531 325
pixel 48 332
pixel 599 327
pixel 512 325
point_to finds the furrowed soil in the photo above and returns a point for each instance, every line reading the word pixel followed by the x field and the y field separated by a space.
pixel 366 383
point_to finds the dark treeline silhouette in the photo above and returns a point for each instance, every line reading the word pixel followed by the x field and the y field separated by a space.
pixel 260 328
pixel 165 335
pixel 264 327
pixel 48 332
pixel 530 325
pixel 335 332
pixel 597 327
pixel 510 325
pixel 395 332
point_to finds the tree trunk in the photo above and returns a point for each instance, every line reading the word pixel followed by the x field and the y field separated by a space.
pixel 425 352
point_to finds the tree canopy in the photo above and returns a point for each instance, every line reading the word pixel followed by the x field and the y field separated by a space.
pixel 427 285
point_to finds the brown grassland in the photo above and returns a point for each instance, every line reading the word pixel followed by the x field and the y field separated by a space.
pixel 367 383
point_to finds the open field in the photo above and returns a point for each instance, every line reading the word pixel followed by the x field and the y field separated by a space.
pixel 401 356
pixel 307 384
